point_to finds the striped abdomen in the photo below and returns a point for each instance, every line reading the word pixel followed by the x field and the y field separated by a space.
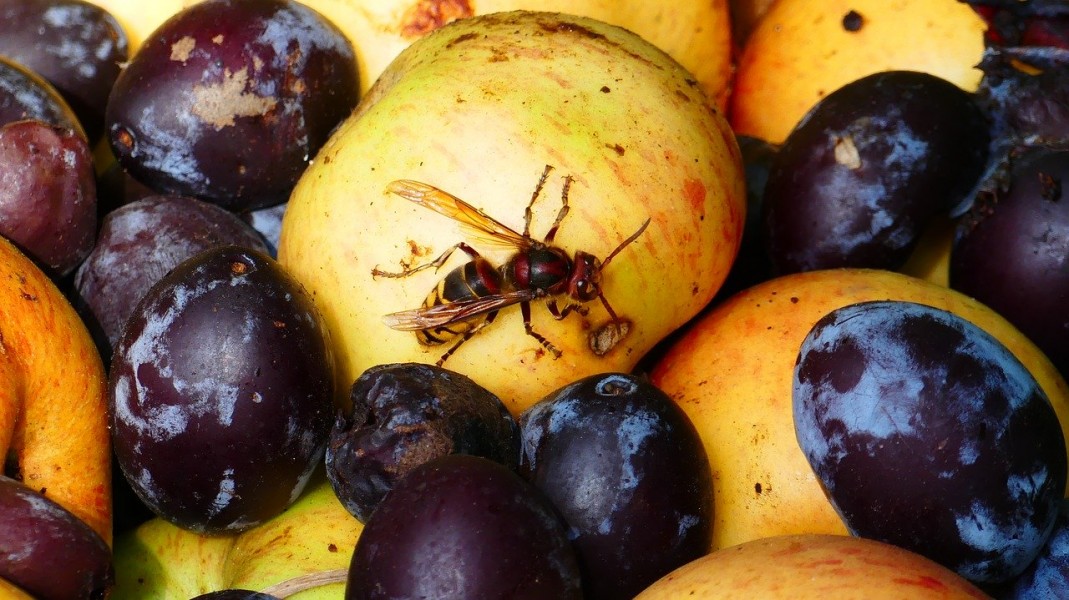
pixel 475 279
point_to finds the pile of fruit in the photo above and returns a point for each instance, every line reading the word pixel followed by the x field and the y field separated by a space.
pixel 509 299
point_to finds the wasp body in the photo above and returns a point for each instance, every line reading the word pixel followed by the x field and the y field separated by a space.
pixel 469 297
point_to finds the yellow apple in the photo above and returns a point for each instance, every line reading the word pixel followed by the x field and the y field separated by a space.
pixel 53 405
pixel 801 51
pixel 813 567
pixel 478 109
pixel 731 372
pixel 697 33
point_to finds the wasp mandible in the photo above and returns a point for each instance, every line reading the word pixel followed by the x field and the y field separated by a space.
pixel 470 296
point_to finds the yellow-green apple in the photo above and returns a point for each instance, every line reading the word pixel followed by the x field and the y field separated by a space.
pixel 53 421
pixel 302 554
pixel 9 591
pixel 801 51
pixel 732 373
pixel 697 33
pixel 813 567
pixel 477 110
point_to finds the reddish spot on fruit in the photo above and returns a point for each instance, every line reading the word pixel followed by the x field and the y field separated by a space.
pixel 695 191
pixel 427 15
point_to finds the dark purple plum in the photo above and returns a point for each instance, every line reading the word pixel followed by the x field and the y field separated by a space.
pixel 234 594
pixel 47 551
pixel 141 242
pixel 404 415
pixel 863 173
pixel 221 392
pixel 229 100
pixel 1048 575
pixel 927 433
pixel 628 472
pixel 76 46
pixel 1011 250
pixel 48 203
pixel 463 526
pixel 25 95
pixel 1026 92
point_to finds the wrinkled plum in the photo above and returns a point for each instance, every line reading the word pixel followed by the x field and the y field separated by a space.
pixel 76 46
pixel 47 194
pixel 47 551
pixel 1048 575
pixel 627 471
pixel 229 100
pixel 404 415
pixel 1011 250
pixel 141 242
pixel 25 95
pixel 221 392
pixel 1026 92
pixel 461 527
pixel 927 433
pixel 863 173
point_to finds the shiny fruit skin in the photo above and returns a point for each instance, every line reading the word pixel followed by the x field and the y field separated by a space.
pixel 731 372
pixel 927 433
pixel 221 392
pixel 229 100
pixel 1011 251
pixel 76 46
pixel 48 551
pixel 801 51
pixel 813 567
pixel 868 169
pixel 627 471
pixel 26 95
pixel 463 527
pixel 404 415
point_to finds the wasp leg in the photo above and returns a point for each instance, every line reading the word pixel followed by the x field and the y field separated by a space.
pixel 436 263
pixel 525 310
pixel 559 314
pixel 465 337
pixel 552 233
pixel 528 214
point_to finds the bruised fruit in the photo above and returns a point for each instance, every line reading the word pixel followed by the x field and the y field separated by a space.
pixel 404 415
pixel 221 392
pixel 138 244
pixel 47 551
pixel 927 433
pixel 627 471
pixel 48 203
pixel 864 173
pixel 75 45
pixel 229 100
pixel 464 526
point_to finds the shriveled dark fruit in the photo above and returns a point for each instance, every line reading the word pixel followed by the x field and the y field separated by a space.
pixel 927 433
pixel 47 194
pixel 404 415
pixel 1011 250
pixel 234 595
pixel 229 100
pixel 25 95
pixel 221 392
pixel 1013 23
pixel 76 46
pixel 141 242
pixel 47 551
pixel 1026 92
pixel 628 472
pixel 463 527
pixel 859 178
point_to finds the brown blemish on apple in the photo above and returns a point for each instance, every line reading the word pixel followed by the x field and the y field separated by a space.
pixel 603 339
pixel 425 16
pixel 219 104
pixel 617 148
pixel 181 49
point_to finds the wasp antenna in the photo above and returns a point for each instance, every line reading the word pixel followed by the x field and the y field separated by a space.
pixel 624 243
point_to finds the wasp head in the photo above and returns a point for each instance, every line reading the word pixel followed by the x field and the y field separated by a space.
pixel 584 283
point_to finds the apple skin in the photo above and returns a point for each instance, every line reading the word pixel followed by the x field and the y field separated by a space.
pixel 53 394
pixel 511 93
pixel 731 372
pixel 813 567
pixel 800 51
pixel 160 561
pixel 697 33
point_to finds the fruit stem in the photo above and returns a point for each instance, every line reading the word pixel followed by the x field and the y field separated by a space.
pixel 289 587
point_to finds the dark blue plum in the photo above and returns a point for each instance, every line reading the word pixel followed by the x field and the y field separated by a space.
pixel 926 432
pixel 628 471
pixel 1048 576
